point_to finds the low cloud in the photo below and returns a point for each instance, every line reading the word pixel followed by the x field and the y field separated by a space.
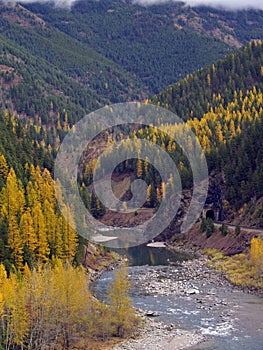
pixel 57 3
pixel 226 4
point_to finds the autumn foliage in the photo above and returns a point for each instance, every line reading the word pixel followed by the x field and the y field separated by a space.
pixel 256 255
pixel 32 227
pixel 51 307
pixel 244 269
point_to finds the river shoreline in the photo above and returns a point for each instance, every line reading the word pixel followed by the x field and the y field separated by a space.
pixel 155 335
pixel 199 253
pixel 158 336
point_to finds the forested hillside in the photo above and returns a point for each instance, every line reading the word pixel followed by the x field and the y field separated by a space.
pixel 142 41
pixel 56 65
pixel 221 103
pixel 193 96
pixel 45 65
pixel 29 85
pixel 106 52
pixel 51 77
pixel 18 148
pixel 159 43
pixel 66 52
pixel 223 106
pixel 44 295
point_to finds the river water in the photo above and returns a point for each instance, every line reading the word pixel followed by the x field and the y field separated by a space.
pixel 229 318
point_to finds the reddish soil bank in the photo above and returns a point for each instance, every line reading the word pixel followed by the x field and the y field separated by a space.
pixel 230 244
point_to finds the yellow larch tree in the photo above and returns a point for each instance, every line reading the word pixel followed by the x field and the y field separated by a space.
pixel 32 195
pixel 256 254
pixel 3 167
pixel 71 305
pixel 15 242
pixel 50 220
pixel 48 189
pixel 139 168
pixel 12 207
pixel 3 277
pixel 123 316
pixel 69 235
pixel 58 246
pixel 12 197
pixel 27 231
pixel 42 249
pixel 17 320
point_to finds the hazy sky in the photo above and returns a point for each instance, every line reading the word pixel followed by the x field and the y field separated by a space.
pixel 229 4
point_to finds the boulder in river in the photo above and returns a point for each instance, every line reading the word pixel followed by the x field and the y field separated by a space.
pixel 192 291
pixel 152 314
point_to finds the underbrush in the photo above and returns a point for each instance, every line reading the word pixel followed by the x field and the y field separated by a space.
pixel 240 269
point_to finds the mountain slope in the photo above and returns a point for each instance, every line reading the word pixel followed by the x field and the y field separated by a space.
pixel 235 28
pixel 147 48
pixel 105 52
pixel 223 104
pixel 198 92
pixel 47 65
pixel 140 39
pixel 30 84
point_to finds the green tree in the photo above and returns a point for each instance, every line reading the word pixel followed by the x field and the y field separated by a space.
pixel 237 230
pixel 223 229
pixel 210 228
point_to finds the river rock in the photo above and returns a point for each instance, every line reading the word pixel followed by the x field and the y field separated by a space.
pixel 192 291
pixel 152 314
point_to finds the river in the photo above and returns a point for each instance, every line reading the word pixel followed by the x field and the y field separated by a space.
pixel 188 295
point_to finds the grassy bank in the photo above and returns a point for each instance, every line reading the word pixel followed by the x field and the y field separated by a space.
pixel 244 270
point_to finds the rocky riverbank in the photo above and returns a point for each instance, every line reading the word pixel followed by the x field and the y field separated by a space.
pixel 188 290
pixel 111 265
pixel 191 279
pixel 96 261
pixel 158 336
pixel 199 253
pixel 181 281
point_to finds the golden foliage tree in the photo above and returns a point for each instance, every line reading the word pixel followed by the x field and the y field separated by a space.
pixel 28 234
pixel 123 316
pixel 256 254
pixel 42 249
